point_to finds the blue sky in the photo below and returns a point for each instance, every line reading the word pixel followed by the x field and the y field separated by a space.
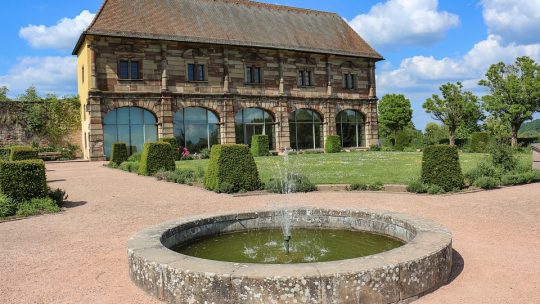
pixel 425 42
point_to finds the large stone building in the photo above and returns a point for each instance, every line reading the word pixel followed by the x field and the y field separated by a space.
pixel 220 71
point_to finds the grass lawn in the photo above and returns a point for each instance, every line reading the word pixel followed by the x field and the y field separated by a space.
pixel 353 167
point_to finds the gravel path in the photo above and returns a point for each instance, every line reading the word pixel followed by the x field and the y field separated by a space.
pixel 79 255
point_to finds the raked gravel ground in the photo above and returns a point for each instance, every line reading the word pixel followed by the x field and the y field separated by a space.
pixel 79 255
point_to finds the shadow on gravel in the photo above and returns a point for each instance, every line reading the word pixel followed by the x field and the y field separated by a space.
pixel 457 266
pixel 70 204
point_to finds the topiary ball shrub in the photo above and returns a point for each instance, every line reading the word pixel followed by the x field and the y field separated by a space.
pixel 333 144
pixel 7 206
pixel 119 153
pixel 233 165
pixel 440 166
pixel 23 180
pixel 480 142
pixel 174 144
pixel 5 153
pixel 156 156
pixel 260 145
pixel 23 153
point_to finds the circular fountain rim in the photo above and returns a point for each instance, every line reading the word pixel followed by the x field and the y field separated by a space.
pixel 428 238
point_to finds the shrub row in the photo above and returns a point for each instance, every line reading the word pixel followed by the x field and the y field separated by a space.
pixel 179 176
pixel 292 184
pixel 377 186
pixel 480 142
pixel 23 153
pixel 232 168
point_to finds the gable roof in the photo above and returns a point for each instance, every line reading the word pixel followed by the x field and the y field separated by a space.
pixel 229 22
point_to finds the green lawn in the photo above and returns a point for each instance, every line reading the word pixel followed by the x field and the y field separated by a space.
pixel 354 167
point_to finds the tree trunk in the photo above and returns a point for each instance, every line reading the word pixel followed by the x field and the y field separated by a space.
pixel 515 129
pixel 452 138
pixel 395 136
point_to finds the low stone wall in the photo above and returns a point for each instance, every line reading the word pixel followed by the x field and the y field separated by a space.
pixel 395 276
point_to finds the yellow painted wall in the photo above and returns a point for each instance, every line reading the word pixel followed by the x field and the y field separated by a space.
pixel 83 81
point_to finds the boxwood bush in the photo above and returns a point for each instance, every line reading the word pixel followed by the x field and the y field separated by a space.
pixel 440 167
pixel 174 144
pixel 232 166
pixel 5 153
pixel 23 153
pixel 23 180
pixel 480 142
pixel 119 153
pixel 260 145
pixel 156 156
pixel 333 144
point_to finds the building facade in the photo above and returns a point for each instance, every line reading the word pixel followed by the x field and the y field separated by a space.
pixel 221 71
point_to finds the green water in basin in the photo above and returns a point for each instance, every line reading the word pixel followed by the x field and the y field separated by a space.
pixel 306 246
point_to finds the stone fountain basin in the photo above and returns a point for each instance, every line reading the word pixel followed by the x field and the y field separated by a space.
pixel 397 276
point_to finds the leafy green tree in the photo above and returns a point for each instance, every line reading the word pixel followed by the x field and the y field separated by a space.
pixel 434 133
pixel 3 93
pixel 500 129
pixel 456 108
pixel 514 92
pixel 395 113
pixel 30 94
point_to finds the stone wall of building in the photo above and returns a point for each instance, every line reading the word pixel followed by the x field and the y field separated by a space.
pixel 164 88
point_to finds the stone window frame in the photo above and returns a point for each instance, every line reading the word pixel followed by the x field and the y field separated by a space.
pixel 253 65
pixel 129 59
pixel 354 77
pixel 197 62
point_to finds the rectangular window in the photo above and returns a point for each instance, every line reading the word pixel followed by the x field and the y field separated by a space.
pixel 305 78
pixel 253 75
pixel 129 70
pixel 349 81
pixel 200 72
pixel 191 72
pixel 196 72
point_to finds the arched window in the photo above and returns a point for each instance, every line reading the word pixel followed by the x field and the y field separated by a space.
pixel 305 127
pixel 350 126
pixel 196 128
pixel 254 121
pixel 131 125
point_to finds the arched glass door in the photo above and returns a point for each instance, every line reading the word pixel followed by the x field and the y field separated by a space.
pixel 350 126
pixel 305 127
pixel 254 121
pixel 131 125
pixel 196 128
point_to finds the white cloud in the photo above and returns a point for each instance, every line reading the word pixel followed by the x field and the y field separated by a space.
pixel 514 20
pixel 421 71
pixel 49 75
pixel 404 22
pixel 62 36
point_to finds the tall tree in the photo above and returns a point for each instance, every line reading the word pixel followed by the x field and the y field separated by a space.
pixel 456 108
pixel 434 133
pixel 3 93
pixel 514 92
pixel 395 113
pixel 30 94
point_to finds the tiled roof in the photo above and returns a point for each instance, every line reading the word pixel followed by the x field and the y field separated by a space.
pixel 230 22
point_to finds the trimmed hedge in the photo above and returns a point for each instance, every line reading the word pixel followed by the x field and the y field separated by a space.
pixel 156 156
pixel 333 144
pixel 119 152
pixel 231 168
pixel 174 144
pixel 260 145
pixel 480 142
pixel 440 167
pixel 23 180
pixel 23 153
pixel 5 153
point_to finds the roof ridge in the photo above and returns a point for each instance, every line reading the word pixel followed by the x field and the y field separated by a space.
pixel 274 6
